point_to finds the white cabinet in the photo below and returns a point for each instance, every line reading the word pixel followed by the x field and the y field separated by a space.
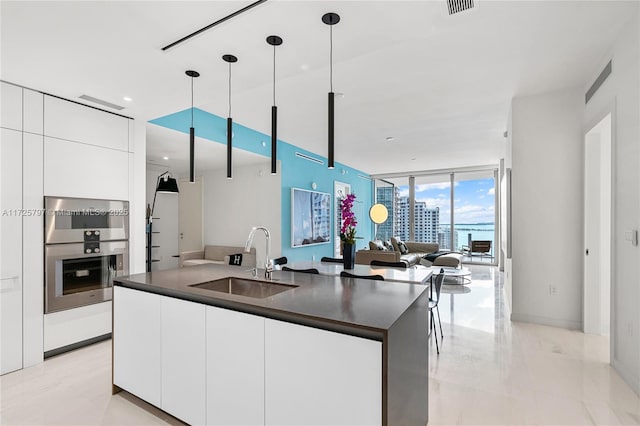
pixel 205 364
pixel 78 170
pixel 10 106
pixel 33 111
pixel 318 377
pixel 137 343
pixel 183 360
pixel 32 243
pixel 10 250
pixel 235 368
pixel 75 122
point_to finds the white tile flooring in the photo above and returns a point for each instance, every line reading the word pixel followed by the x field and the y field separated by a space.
pixel 490 371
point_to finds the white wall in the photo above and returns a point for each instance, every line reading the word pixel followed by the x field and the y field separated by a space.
pixel 547 203
pixel 620 94
pixel 233 206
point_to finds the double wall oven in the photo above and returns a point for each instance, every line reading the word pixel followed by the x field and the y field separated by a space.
pixel 86 247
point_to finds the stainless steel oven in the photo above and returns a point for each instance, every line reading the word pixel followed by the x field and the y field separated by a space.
pixel 68 219
pixel 86 247
pixel 76 278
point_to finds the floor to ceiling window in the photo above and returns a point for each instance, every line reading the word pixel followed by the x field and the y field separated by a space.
pixel 456 209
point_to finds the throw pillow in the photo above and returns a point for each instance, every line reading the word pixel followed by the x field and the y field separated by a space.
pixel 376 245
pixel 388 245
pixel 235 259
pixel 403 247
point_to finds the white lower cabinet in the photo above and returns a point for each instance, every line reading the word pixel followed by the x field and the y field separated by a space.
pixel 183 360
pixel 209 365
pixel 235 368
pixel 319 377
pixel 137 343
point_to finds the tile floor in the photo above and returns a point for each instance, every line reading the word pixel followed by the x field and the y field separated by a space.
pixel 490 371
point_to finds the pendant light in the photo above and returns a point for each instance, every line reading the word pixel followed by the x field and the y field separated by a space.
pixel 229 59
pixel 192 130
pixel 331 19
pixel 274 41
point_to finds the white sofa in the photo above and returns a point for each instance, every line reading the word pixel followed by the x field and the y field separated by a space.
pixel 217 254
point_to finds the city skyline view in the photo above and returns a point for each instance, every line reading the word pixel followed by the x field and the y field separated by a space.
pixel 474 200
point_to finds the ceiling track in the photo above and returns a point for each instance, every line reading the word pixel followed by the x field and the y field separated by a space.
pixel 208 27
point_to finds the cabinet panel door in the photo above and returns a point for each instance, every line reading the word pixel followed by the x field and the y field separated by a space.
pixel 10 106
pixel 78 170
pixel 235 368
pixel 318 377
pixel 183 360
pixel 136 343
pixel 78 123
pixel 33 111
pixel 32 243
pixel 10 251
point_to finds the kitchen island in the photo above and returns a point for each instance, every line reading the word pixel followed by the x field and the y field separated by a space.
pixel 302 349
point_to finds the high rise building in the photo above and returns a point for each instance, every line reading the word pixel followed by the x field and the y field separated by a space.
pixel 426 221
pixel 388 196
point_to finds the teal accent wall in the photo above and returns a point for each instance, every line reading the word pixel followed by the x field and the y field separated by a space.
pixel 295 173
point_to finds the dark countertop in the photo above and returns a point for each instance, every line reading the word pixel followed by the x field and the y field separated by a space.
pixel 363 308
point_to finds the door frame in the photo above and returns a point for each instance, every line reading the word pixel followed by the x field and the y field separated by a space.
pixel 609 110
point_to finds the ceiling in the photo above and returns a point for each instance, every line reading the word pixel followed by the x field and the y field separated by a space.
pixel 439 85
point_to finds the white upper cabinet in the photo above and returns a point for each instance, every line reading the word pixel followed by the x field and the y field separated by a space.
pixel 11 104
pixel 33 111
pixel 78 170
pixel 74 122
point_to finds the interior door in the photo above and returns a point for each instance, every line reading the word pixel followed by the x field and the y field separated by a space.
pixel 10 251
pixel 597 229
pixel 190 213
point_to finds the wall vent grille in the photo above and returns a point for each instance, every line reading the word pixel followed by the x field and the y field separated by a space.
pixel 456 6
pixel 599 82
pixel 101 102
pixel 309 158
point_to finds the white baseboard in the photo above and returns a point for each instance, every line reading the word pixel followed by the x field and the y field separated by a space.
pixel 553 322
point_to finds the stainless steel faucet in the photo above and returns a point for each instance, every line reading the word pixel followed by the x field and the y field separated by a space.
pixel 247 248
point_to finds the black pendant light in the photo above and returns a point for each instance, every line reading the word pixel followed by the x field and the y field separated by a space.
pixel 274 41
pixel 229 59
pixel 192 130
pixel 331 19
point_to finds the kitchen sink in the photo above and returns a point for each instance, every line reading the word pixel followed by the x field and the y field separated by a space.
pixel 245 287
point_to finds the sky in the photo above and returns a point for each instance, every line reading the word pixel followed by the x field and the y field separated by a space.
pixel 474 200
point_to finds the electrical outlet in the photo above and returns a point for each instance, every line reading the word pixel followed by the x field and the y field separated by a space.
pixel 553 290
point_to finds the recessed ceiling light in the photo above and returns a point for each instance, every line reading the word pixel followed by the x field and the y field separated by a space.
pixel 390 138
pixel 304 67
pixel 413 159
pixel 165 158
pixel 128 99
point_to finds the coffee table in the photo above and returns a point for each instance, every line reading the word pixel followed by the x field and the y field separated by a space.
pixel 460 275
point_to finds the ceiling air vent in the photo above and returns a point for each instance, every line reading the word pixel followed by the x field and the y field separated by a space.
pixel 309 158
pixel 101 102
pixel 456 6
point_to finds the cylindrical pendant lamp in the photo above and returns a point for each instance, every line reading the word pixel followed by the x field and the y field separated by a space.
pixel 331 19
pixel 274 41
pixel 192 131
pixel 229 59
